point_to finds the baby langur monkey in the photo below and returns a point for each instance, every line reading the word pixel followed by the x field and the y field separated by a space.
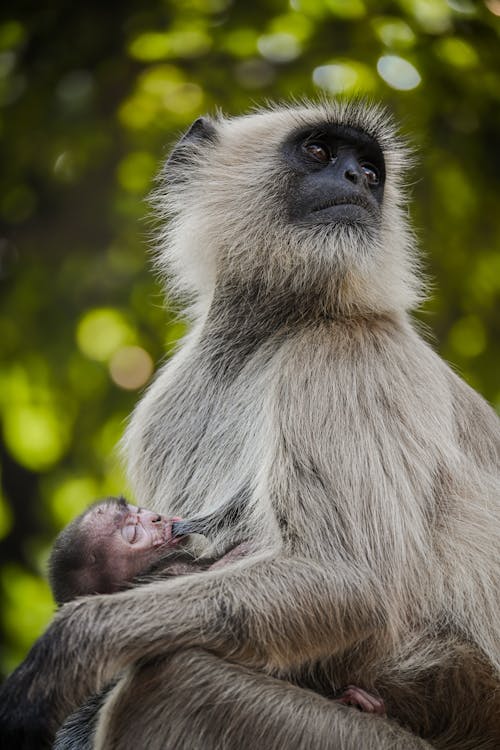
pixel 114 544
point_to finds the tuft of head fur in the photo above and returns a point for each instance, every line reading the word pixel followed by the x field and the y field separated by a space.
pixel 222 201
pixel 77 565
pixel 69 561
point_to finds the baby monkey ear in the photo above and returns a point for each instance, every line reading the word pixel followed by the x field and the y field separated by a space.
pixel 186 152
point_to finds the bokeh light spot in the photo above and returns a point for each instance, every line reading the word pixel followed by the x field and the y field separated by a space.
pixel 240 42
pixel 394 32
pixel 493 6
pixel 296 24
pixel 65 168
pixel 102 331
pixel 136 170
pixel 313 8
pixel 161 90
pixel 398 73
pixel 348 9
pixel 465 7
pixel 35 435
pixel 433 16
pixel 137 112
pixel 468 336
pixel 340 77
pixel 11 35
pixel 149 46
pixel 457 52
pixel 185 98
pixel 153 45
pixel 335 78
pixel 75 89
pixel 27 606
pixel 106 439
pixel 209 6
pixel 280 47
pixel 189 42
pixel 131 367
pixel 457 193
pixel 71 497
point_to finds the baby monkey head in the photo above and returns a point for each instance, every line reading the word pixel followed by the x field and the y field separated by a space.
pixel 106 547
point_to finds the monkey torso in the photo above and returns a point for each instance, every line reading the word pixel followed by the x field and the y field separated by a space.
pixel 343 439
pixel 339 429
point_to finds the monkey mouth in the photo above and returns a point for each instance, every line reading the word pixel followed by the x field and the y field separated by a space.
pixel 352 201
pixel 348 209
pixel 167 535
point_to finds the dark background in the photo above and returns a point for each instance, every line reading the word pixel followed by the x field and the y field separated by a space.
pixel 91 96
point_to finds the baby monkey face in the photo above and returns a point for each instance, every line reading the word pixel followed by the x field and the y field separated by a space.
pixel 142 528
pixel 126 539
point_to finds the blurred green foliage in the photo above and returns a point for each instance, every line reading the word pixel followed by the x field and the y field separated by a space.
pixel 91 94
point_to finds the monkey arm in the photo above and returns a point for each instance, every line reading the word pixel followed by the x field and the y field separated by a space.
pixel 477 424
pixel 268 614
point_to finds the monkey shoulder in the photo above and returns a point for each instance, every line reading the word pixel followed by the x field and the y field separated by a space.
pixel 477 423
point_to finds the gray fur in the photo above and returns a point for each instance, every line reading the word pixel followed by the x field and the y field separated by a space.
pixel 371 472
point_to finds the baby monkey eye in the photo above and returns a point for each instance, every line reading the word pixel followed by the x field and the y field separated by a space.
pixel 130 532
pixel 371 174
pixel 317 151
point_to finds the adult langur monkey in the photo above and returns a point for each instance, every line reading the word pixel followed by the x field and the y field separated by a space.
pixel 366 469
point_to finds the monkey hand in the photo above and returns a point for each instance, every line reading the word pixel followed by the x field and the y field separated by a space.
pixel 24 713
pixel 370 703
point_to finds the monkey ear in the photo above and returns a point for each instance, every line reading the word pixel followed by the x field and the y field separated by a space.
pixel 202 131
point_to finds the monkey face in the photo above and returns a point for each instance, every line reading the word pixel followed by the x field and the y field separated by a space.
pixel 122 541
pixel 142 529
pixel 305 202
pixel 338 176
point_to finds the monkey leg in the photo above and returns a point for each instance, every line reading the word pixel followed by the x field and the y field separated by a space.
pixel 443 688
pixel 194 700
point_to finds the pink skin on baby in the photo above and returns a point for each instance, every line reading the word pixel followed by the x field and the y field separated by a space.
pixel 130 539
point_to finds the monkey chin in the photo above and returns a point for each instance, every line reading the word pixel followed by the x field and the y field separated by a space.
pixel 339 240
pixel 348 223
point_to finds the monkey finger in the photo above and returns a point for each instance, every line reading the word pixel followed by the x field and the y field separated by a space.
pixel 367 702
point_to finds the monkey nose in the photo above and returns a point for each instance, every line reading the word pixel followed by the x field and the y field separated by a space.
pixel 149 516
pixel 352 175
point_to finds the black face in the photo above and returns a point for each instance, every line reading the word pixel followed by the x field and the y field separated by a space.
pixel 338 176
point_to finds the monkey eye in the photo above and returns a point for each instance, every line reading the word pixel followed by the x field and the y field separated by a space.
pixel 317 151
pixel 371 174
